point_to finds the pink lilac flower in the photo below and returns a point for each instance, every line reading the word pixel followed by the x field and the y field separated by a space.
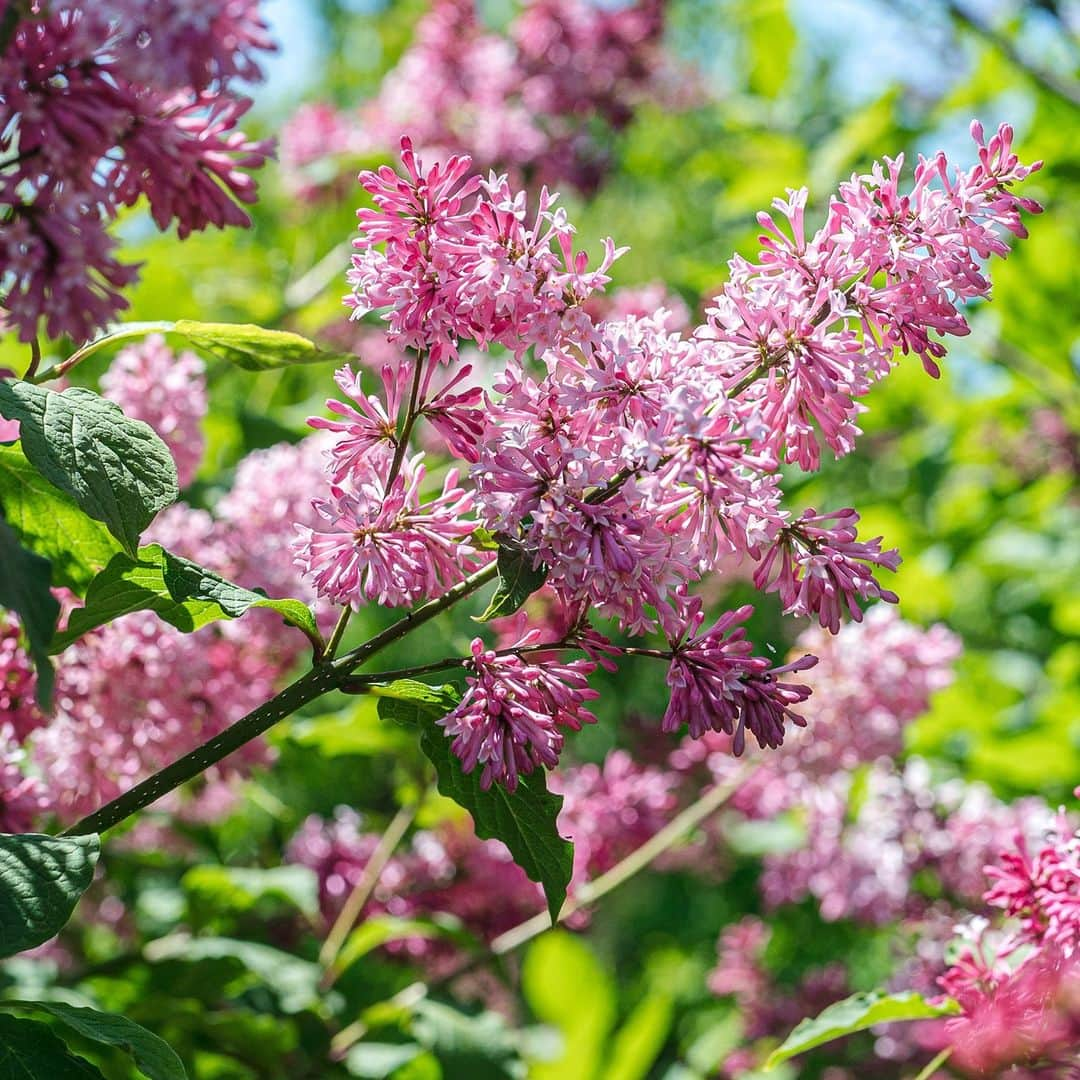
pixel 872 679
pixel 386 545
pixel 819 567
pixel 24 800
pixel 716 684
pixel 511 718
pixel 1042 891
pixel 103 103
pixel 1029 1018
pixel 18 682
pixel 611 809
pixel 166 390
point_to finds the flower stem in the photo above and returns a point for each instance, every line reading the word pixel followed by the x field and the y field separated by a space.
pixel 936 1064
pixel 338 634
pixel 317 682
pixel 362 890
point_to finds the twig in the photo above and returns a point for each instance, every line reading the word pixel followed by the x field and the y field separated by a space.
pixel 363 889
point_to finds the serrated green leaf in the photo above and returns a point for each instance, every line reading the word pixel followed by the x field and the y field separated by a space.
pixel 29 1050
pixel 116 469
pixel 856 1013
pixel 518 580
pixel 153 1056
pixel 184 594
pixel 41 880
pixel 525 821
pixel 253 347
pixel 48 522
pixel 24 588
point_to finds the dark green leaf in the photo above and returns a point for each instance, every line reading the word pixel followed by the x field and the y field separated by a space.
pixel 153 1056
pixel 30 1051
pixel 50 524
pixel 525 821
pixel 182 593
pixel 518 580
pixel 41 880
pixel 24 588
pixel 253 348
pixel 116 469
pixel 857 1013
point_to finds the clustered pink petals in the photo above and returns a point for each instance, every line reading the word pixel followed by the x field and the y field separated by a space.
pixel 387 546
pixel 18 682
pixel 101 104
pixel 1020 988
pixel 512 716
pixel 529 100
pixel 167 391
pixel 818 566
pixel 718 685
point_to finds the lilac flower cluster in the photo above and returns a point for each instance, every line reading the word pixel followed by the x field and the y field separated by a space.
pixel 1020 989
pixel 101 104
pixel 527 100
pixel 624 460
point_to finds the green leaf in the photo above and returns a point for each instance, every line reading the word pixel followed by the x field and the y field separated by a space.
pixel 376 1061
pixel 293 981
pixel 153 1056
pixel 253 348
pixel 525 821
pixel 24 588
pixel 771 41
pixel 557 969
pixel 356 729
pixel 30 1051
pixel 41 880
pixel 638 1043
pixel 219 889
pixel 479 1047
pixel 50 524
pixel 857 1013
pixel 380 930
pixel 409 702
pixel 184 594
pixel 518 580
pixel 116 469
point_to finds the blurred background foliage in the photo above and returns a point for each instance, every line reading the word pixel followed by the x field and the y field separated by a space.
pixel 973 477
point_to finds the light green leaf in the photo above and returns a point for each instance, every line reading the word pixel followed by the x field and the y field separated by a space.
pixel 241 888
pixel 376 1061
pixel 50 524
pixel 153 1056
pixel 557 970
pixel 381 929
pixel 771 41
pixel 356 729
pixel 252 347
pixel 409 702
pixel 184 594
pixel 116 469
pixel 24 588
pixel 30 1051
pixel 856 1013
pixel 638 1043
pixel 41 880
pixel 518 580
